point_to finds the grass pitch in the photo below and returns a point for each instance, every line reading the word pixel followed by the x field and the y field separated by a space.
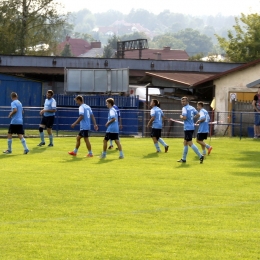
pixel 146 206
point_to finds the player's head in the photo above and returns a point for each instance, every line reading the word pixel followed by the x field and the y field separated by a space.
pixel 79 100
pixel 49 94
pixel 155 102
pixel 14 96
pixel 200 105
pixel 184 101
pixel 110 102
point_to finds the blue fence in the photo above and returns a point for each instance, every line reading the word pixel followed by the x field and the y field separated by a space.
pixel 97 100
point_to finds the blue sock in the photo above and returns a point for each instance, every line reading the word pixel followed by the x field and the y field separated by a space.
pixel 42 136
pixel 185 152
pixel 162 142
pixel 196 150
pixel 204 152
pixel 157 146
pixel 24 144
pixel 75 150
pixel 207 146
pixel 51 139
pixel 121 153
pixel 104 153
pixel 111 142
pixel 90 152
pixel 9 142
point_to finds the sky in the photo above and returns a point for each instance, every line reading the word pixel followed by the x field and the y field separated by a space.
pixel 193 7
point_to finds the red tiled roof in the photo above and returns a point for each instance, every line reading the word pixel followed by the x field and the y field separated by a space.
pixel 187 79
pixel 157 54
pixel 77 46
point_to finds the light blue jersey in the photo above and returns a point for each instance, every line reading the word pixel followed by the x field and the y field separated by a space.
pixel 86 112
pixel 17 118
pixel 49 104
pixel 113 127
pixel 204 126
pixel 189 112
pixel 157 113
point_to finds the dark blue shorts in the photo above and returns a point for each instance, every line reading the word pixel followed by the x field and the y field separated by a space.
pixel 111 136
pixel 16 129
pixel 48 121
pixel 188 135
pixel 83 133
pixel 257 118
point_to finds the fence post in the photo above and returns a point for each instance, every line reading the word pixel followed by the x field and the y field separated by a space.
pixel 241 125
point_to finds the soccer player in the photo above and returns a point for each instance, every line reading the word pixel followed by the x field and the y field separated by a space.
pixel 120 124
pixel 16 126
pixel 256 106
pixel 156 120
pixel 48 114
pixel 188 113
pixel 85 113
pixel 203 128
pixel 112 129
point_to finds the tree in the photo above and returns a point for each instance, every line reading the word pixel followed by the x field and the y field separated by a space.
pixel 26 24
pixel 167 40
pixel 244 44
pixel 66 52
pixel 108 51
pixel 195 41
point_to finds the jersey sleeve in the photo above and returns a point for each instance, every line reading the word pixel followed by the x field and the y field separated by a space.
pixel 112 113
pixel 152 113
pixel 13 105
pixel 53 104
pixel 184 111
pixel 90 111
pixel 81 110
pixel 195 112
pixel 202 114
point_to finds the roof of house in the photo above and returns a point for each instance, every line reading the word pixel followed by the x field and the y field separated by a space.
pixel 220 75
pixel 77 46
pixel 186 79
pixel 158 54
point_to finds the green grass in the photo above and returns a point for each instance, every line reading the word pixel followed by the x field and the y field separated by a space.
pixel 146 206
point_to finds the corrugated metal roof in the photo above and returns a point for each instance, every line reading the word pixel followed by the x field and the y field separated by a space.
pixel 32 70
pixel 187 79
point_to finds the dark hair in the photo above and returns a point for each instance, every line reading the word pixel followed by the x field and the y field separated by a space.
pixel 156 102
pixel 184 98
pixel 14 95
pixel 200 103
pixel 50 92
pixel 110 101
pixel 80 98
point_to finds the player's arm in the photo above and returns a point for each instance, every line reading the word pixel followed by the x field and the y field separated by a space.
pixel 52 110
pixel 77 121
pixel 183 117
pixel 13 112
pixel 120 122
pixel 110 121
pixel 94 122
pixel 151 121
pixel 254 105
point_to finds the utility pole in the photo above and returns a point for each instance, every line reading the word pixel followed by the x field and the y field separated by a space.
pixel 24 27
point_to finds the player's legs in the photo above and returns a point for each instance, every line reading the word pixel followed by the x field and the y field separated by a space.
pixel 119 146
pixel 41 128
pixel 111 144
pixel 257 125
pixel 75 151
pixel 9 143
pixel 23 141
pixel 166 146
pixel 155 134
pixel 49 131
pixel 88 145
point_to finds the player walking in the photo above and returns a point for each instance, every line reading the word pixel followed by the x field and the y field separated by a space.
pixel 203 128
pixel 112 129
pixel 48 115
pixel 156 120
pixel 16 125
pixel 188 113
pixel 119 121
pixel 85 113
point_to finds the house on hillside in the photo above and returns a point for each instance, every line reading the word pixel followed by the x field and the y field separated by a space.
pixel 79 47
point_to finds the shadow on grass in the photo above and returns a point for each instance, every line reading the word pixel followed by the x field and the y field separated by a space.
pixel 38 149
pixel 246 174
pixel 71 159
pixel 183 165
pixel 4 156
pixel 150 155
pixel 103 161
